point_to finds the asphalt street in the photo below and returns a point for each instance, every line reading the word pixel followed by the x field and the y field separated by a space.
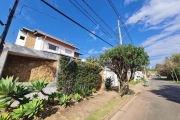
pixel 159 101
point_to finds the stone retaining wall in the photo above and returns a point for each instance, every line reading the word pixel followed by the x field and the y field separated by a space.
pixel 28 69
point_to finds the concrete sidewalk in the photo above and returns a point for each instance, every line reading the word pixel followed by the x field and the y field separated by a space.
pixel 137 89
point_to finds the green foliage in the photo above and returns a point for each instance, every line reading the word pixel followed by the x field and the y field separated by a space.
pixel 77 97
pixel 64 100
pixel 38 84
pixel 10 91
pixel 7 85
pixel 85 92
pixel 76 73
pixel 134 82
pixel 59 94
pixel 4 116
pixel 29 110
pixel 94 90
pixel 108 83
pixel 17 113
pixel 35 95
pixel 20 90
pixel 66 75
pixel 123 58
pixel 52 96
pixel 171 67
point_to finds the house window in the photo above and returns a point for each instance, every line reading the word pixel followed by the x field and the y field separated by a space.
pixel 22 37
pixel 68 51
pixel 53 47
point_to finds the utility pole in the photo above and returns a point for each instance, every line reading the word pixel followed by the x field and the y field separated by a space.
pixel 10 17
pixel 119 29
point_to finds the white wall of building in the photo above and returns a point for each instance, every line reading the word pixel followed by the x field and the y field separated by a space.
pixel 38 43
pixel 109 73
pixel 20 41
pixel 138 75
pixel 60 50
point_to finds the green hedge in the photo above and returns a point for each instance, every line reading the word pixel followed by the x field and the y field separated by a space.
pixel 76 74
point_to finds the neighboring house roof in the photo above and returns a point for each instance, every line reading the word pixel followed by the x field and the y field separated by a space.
pixel 78 53
pixel 45 34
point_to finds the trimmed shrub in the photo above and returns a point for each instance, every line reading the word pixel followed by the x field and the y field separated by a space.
pixel 76 73
pixel 108 83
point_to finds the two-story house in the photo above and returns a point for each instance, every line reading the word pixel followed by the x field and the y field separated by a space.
pixel 35 54
pixel 42 41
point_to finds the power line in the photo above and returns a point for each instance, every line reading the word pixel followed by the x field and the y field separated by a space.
pixel 117 13
pixel 42 13
pixel 100 27
pixel 74 21
pixel 99 17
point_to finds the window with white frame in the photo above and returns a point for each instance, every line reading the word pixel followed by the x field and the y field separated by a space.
pixel 53 47
pixel 68 51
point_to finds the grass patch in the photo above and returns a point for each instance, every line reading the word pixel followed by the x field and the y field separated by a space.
pixel 132 82
pixel 178 82
pixel 107 108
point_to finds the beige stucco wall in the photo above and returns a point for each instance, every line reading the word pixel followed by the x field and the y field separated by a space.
pixel 101 80
pixel 28 69
pixel 30 40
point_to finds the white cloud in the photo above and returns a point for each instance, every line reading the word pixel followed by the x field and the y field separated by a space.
pixel 163 48
pixel 127 2
pixel 164 16
pixel 93 36
pixel 97 27
pixel 126 15
pixel 92 51
pixel 105 48
pixel 156 11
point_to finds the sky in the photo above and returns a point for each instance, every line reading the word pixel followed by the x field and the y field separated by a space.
pixel 158 31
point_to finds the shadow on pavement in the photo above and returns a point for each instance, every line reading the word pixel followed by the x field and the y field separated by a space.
pixel 170 92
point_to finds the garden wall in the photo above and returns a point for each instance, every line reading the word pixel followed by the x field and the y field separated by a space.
pixel 28 69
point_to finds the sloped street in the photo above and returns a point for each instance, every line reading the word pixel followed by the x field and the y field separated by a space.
pixel 159 101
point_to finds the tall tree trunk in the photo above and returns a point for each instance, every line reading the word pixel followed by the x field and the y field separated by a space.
pixel 172 75
pixel 175 75
pixel 124 84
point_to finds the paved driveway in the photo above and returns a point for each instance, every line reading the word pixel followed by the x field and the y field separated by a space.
pixel 160 101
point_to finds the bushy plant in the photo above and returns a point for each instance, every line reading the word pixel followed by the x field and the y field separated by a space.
pixel 76 73
pixel 38 85
pixel 85 92
pixel 52 96
pixel 108 83
pixel 94 90
pixel 35 95
pixel 10 91
pixel 59 94
pixel 77 90
pixel 4 116
pixel 77 97
pixel 28 110
pixel 64 100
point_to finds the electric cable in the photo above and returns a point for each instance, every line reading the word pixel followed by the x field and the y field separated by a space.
pixel 117 13
pixel 100 27
pixel 100 18
pixel 74 21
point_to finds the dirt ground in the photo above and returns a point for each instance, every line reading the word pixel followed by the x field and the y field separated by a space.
pixel 83 109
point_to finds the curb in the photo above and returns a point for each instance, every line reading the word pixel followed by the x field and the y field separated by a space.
pixel 131 97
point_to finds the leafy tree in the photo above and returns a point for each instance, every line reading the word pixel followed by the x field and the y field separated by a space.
pixel 94 60
pixel 122 59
